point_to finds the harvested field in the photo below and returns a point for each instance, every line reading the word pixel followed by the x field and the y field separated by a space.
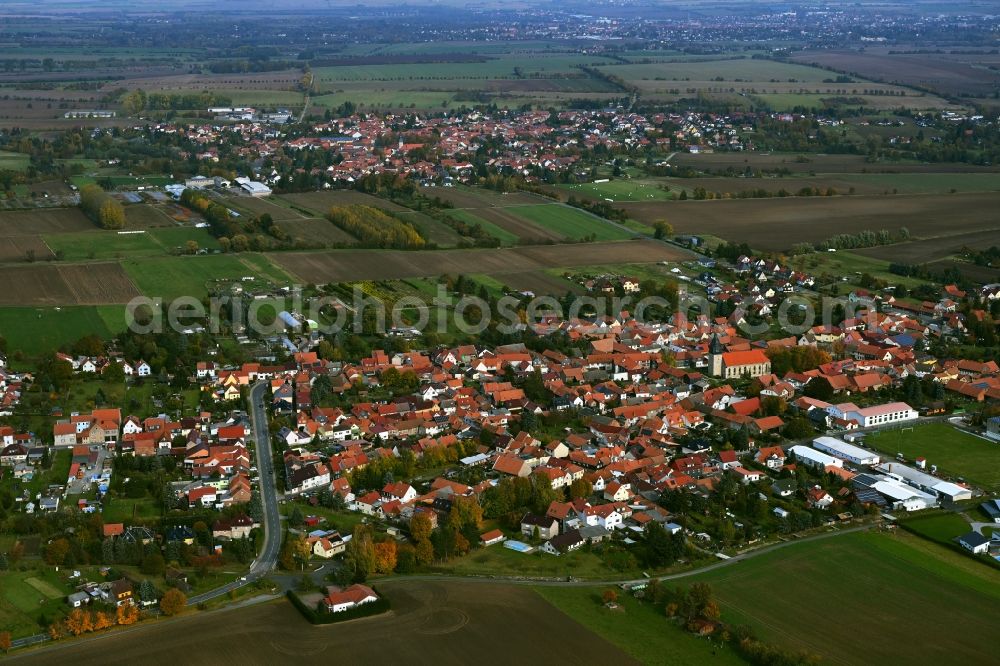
pixel 805 164
pixel 316 230
pixel 777 224
pixel 539 282
pixel 439 622
pixel 351 265
pixel 957 74
pixel 75 284
pixel 145 216
pixel 933 248
pixel 254 206
pixel 16 248
pixel 43 221
pixel 321 202
pixel 464 198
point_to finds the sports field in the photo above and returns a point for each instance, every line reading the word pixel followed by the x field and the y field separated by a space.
pixel 954 452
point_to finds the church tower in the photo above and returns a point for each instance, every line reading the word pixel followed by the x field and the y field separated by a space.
pixel 715 352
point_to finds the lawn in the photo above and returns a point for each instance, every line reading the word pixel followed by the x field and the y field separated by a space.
pixel 640 629
pixel 25 596
pixel 954 452
pixel 37 330
pixel 122 510
pixel 941 527
pixel 171 277
pixel 570 222
pixel 861 598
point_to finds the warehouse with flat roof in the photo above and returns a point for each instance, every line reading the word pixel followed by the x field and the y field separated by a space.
pixel 848 452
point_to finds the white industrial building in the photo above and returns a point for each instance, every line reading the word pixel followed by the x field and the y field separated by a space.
pixel 870 417
pixel 253 188
pixel 848 452
pixel 814 458
pixel 902 496
pixel 925 482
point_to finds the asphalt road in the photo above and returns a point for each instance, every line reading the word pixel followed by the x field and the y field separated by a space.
pixel 268 557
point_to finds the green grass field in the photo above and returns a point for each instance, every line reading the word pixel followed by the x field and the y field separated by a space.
pixel 26 596
pixel 954 452
pixel 170 277
pixel 620 190
pixel 862 598
pixel 102 245
pixel 13 161
pixel 940 527
pixel 36 330
pixel 171 238
pixel 640 629
pixel 122 510
pixel 570 222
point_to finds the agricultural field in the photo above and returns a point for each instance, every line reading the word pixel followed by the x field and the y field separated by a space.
pixel 433 230
pixel 322 202
pixel 440 621
pixel 24 248
pixel 811 164
pixel 663 189
pixel 252 206
pixel 43 221
pixel 171 277
pixel 466 197
pixel 539 282
pixel 846 573
pixel 145 216
pixel 571 222
pixel 954 74
pixel 955 453
pixel 495 230
pixel 89 245
pixel 511 223
pixel 65 284
pixel 36 330
pixel 777 224
pixel 639 629
pixel 315 230
pixel 344 266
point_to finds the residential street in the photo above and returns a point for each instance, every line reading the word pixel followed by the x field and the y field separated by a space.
pixel 268 557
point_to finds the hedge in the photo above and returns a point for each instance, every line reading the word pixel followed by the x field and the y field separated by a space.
pixel 317 617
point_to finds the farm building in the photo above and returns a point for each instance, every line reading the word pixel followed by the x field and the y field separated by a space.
pixel 848 452
pixel 253 188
